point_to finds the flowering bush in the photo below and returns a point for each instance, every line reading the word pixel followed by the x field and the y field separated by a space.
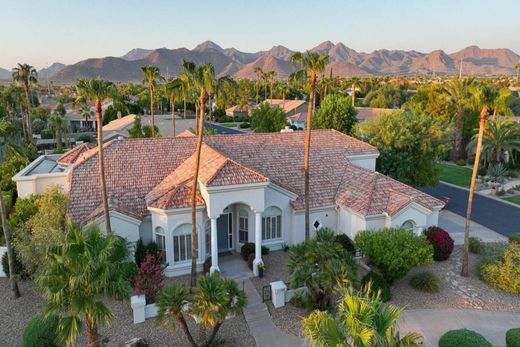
pixel 149 278
pixel 441 241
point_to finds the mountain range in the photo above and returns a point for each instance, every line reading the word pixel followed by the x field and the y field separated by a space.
pixel 343 61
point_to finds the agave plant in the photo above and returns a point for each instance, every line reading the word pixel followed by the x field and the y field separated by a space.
pixel 497 173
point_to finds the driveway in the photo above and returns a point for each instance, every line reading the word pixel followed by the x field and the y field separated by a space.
pixel 455 224
pixel 493 214
pixel 219 129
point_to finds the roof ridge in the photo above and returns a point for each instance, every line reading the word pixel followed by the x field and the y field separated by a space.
pixel 83 157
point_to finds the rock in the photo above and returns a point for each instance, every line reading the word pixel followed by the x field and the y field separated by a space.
pixel 136 342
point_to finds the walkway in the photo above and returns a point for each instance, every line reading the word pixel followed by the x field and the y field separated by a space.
pixel 261 326
pixel 491 213
pixel 432 324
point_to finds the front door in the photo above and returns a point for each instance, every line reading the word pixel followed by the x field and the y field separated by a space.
pixel 224 232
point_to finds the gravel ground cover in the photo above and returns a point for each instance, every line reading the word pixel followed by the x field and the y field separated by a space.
pixel 14 314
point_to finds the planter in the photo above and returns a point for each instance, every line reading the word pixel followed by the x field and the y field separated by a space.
pixel 260 272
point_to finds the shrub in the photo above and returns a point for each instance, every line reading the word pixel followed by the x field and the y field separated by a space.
pixel 394 251
pixel 265 250
pixel 207 265
pixel 302 299
pixel 378 284
pixel 441 241
pixel 347 243
pixel 40 332
pixel 19 269
pixel 514 238
pixel 250 260
pixel 463 338
pixel 247 248
pixel 513 337
pixel 149 279
pixel 426 282
pixel 245 125
pixel 141 250
pixel 460 162
pixel 84 138
pixel 482 171
pixel 503 272
pixel 475 245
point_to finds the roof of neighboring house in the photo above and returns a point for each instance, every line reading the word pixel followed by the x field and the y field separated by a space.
pixel 287 105
pixel 158 173
pixel 72 155
pixel 298 117
pixel 364 113
pixel 235 108
pixel 185 133
pixel 120 123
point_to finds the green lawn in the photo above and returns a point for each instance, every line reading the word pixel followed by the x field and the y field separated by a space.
pixel 229 125
pixel 460 176
pixel 514 199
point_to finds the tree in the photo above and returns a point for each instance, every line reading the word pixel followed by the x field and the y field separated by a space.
pixel 173 89
pixel 214 299
pixel 284 89
pixel 202 78
pixel 271 75
pixel 386 96
pixel 26 75
pixel 10 254
pixel 59 125
pixel 362 320
pixel 409 145
pixel 60 109
pixel 79 271
pixel 336 113
pixel 312 64
pixel 266 119
pixel 97 90
pixel 258 72
pixel 151 75
pixel 457 91
pixel 355 82
pixel 321 265
pixel 500 142
pixel 484 97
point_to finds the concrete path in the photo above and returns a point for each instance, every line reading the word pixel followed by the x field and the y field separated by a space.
pixel 454 224
pixel 261 326
pixel 432 324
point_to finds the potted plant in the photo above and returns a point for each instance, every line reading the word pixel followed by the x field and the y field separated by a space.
pixel 261 268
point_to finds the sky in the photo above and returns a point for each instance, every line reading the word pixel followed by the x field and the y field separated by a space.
pixel 40 32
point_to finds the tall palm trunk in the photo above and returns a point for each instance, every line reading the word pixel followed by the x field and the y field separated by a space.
pixel 196 119
pixel 271 91
pixel 151 109
pixel 10 254
pixel 184 107
pixel 58 139
pixel 210 106
pixel 257 88
pixel 28 118
pixel 92 333
pixel 482 127
pixel 353 95
pixel 102 178
pixel 265 90
pixel 457 151
pixel 307 155
pixel 172 105
pixel 283 100
pixel 194 245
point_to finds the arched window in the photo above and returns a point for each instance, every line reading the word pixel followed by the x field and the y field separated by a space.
pixel 161 243
pixel 243 226
pixel 182 243
pixel 272 224
pixel 207 233
pixel 408 225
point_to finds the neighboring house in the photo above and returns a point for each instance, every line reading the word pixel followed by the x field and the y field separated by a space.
pixel 250 189
pixel 237 111
pixel 515 90
pixel 298 119
pixel 289 107
pixel 118 128
pixel 366 113
pixel 78 122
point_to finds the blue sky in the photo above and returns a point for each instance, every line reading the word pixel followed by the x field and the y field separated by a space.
pixel 40 32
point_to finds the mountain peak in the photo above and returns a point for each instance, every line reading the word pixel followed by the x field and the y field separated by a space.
pixel 208 45
pixel 325 46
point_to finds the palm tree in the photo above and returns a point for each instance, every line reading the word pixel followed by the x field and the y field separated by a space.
pixel 185 88
pixel 272 76
pixel 8 244
pixel 284 89
pixel 202 78
pixel 151 75
pixel 265 79
pixel 311 65
pixel 457 92
pixel 501 140
pixel 484 97
pixel 98 90
pixel 173 89
pixel 355 82
pixel 362 320
pixel 215 298
pixel 59 125
pixel 258 72
pixel 80 270
pixel 26 75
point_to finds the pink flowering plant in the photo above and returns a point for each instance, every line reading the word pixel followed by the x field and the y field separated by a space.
pixel 149 279
pixel 441 241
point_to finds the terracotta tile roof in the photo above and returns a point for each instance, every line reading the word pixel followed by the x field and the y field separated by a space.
pixel 185 133
pixel 177 197
pixel 72 155
pixel 299 117
pixel 121 123
pixel 289 106
pixel 365 113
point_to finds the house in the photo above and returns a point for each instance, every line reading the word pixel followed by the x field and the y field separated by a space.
pixel 237 111
pixel 298 119
pixel 366 113
pixel 250 189
pixel 289 107
pixel 118 127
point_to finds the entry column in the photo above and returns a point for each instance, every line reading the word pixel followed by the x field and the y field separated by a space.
pixel 258 242
pixel 214 246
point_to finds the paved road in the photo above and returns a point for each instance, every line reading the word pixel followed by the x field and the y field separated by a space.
pixel 222 130
pixel 500 217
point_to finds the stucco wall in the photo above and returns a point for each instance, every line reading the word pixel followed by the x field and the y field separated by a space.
pixel 327 217
pixel 38 183
pixel 367 162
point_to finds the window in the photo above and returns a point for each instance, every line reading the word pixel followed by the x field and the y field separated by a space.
pixel 272 224
pixel 161 243
pixel 316 224
pixel 182 243
pixel 243 226
pixel 207 232
pixel 408 225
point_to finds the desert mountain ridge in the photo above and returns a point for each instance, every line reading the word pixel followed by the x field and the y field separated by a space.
pixel 343 61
